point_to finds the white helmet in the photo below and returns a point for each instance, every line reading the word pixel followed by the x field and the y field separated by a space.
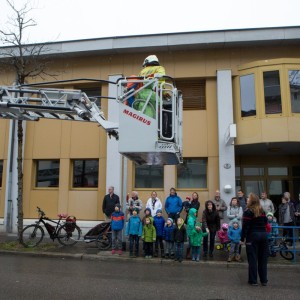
pixel 150 59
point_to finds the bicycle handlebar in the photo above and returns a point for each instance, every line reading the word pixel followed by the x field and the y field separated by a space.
pixel 40 211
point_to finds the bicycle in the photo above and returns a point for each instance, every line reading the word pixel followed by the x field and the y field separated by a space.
pixel 282 248
pixel 67 233
pixel 101 234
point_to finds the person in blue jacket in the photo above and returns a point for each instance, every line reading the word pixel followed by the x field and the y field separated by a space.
pixel 159 223
pixel 117 224
pixel 169 239
pixel 173 205
pixel 134 230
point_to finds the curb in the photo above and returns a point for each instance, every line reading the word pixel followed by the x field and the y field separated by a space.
pixel 107 257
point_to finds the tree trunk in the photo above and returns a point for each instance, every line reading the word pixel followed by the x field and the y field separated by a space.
pixel 20 177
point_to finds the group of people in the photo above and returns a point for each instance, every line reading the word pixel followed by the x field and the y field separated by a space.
pixel 247 224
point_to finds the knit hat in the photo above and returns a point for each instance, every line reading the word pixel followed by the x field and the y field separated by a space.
pixel 136 209
pixel 118 205
pixel 147 209
pixel 159 211
pixel 270 214
pixel 235 220
pixel 171 220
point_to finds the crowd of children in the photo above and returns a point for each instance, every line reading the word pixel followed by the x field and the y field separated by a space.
pixel 166 238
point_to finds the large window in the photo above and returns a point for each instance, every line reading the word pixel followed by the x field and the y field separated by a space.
pixel 149 177
pixel 1 172
pixel 294 81
pixel 193 93
pixel 192 173
pixel 248 100
pixel 47 173
pixel 85 173
pixel 272 92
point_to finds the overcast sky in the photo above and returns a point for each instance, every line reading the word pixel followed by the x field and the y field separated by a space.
pixel 60 20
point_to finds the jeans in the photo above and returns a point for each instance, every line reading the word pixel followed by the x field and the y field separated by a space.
pixel 196 253
pixel 179 251
pixel 116 236
pixel 234 248
pixel 134 239
pixel 169 247
pixel 212 236
pixel 257 255
pixel 148 248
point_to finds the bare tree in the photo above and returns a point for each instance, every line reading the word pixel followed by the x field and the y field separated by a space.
pixel 27 61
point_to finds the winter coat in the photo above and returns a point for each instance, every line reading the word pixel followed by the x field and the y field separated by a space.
pixel 211 219
pixel 282 209
pixel 221 205
pixel 191 221
pixel 173 204
pixel 153 205
pixel 235 212
pixel 223 236
pixel 168 234
pixel 180 233
pixel 234 234
pixel 159 224
pixel 274 229
pixel 149 233
pixel 109 203
pixel 117 220
pixel 197 236
pixel 134 226
pixel 243 203
pixel 134 203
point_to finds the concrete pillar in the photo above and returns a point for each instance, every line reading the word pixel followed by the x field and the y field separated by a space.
pixel 226 132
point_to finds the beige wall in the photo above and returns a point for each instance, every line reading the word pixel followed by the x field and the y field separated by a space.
pixel 64 140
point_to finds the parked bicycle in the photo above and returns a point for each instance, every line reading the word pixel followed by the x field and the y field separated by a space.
pixel 101 234
pixel 65 231
pixel 282 248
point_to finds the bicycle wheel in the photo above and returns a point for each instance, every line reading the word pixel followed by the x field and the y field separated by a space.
pixel 67 238
pixel 103 241
pixel 288 255
pixel 31 236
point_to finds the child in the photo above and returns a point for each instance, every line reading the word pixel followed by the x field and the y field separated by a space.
pixel 223 236
pixel 159 223
pixel 192 216
pixel 186 206
pixel 234 235
pixel 169 239
pixel 273 234
pixel 134 230
pixel 149 236
pixel 117 224
pixel 147 214
pixel 179 239
pixel 195 237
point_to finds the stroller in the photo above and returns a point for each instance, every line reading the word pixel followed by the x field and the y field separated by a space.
pixel 101 234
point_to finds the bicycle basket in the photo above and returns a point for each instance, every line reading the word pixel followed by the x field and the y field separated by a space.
pixel 70 224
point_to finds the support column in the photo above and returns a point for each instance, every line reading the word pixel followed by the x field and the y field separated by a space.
pixel 227 132
pixel 113 158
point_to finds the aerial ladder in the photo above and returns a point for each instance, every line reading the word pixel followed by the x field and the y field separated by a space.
pixel 146 139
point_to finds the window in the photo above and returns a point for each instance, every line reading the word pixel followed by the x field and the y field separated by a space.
pixel 85 173
pixel 294 81
pixel 193 93
pixel 280 171
pixel 47 173
pixel 253 171
pixel 248 100
pixel 272 92
pixel 149 176
pixel 94 94
pixel 192 173
pixel 1 172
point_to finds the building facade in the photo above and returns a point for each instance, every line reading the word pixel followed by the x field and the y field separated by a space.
pixel 241 123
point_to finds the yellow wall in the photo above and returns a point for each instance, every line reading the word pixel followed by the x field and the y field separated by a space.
pixel 64 140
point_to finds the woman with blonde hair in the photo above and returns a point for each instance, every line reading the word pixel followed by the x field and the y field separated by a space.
pixel 255 236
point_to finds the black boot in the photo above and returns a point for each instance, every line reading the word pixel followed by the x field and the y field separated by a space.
pixel 162 253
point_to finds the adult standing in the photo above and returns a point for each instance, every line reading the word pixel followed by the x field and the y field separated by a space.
pixel 109 202
pixel 255 236
pixel 287 218
pixel 173 205
pixel 266 204
pixel 220 205
pixel 153 204
pixel 211 221
pixel 242 199
pixel 134 203
pixel 235 211
pixel 195 201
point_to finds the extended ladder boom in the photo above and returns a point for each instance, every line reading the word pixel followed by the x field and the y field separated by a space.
pixel 31 104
